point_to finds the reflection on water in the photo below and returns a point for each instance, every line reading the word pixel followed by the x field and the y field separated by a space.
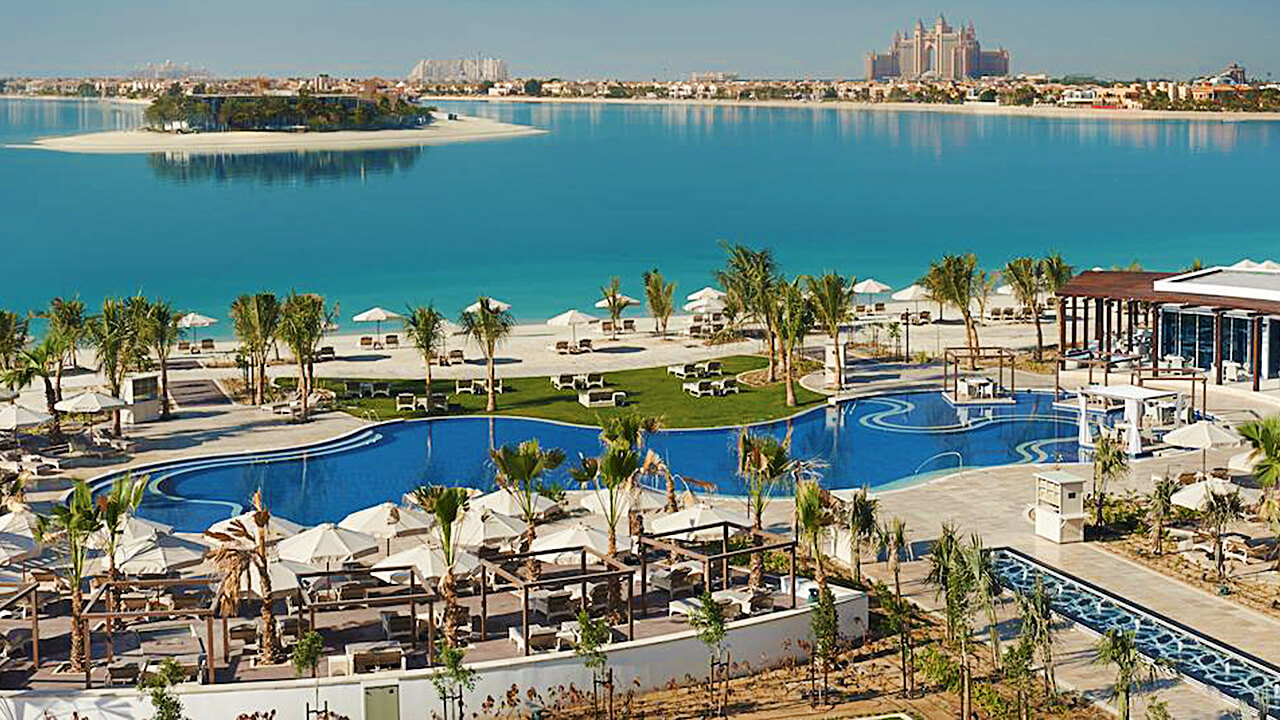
pixel 282 168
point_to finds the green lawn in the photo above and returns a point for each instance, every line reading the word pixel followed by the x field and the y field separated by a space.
pixel 650 391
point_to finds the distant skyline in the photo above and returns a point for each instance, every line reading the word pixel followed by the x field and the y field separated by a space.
pixel 661 39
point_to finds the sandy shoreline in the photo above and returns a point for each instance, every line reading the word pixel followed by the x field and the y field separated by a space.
pixel 86 100
pixel 987 110
pixel 464 129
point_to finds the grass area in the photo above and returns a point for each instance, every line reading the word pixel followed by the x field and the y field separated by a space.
pixel 650 391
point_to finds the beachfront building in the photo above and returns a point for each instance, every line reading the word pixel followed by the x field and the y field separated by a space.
pixel 1223 321
pixel 461 70
pixel 938 53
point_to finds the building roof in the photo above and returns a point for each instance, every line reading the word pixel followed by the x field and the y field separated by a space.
pixel 1127 392
pixel 1253 281
pixel 1156 287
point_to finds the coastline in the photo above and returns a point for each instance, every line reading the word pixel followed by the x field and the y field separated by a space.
pixel 440 132
pixel 847 105
pixel 64 98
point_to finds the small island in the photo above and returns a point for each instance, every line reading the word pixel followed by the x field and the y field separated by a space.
pixel 175 111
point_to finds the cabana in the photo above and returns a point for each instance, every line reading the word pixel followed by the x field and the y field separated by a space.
pixel 977 389
pixel 1140 404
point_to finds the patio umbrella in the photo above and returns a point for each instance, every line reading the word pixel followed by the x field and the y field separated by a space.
pixel 699 514
pixel 912 294
pixel 706 293
pixel 428 560
pixel 162 555
pixel 376 315
pixel 506 502
pixel 640 499
pixel 580 535
pixel 1196 495
pixel 16 548
pixel 494 304
pixel 19 522
pixel 871 286
pixel 387 520
pixel 1242 462
pixel 18 417
pixel 132 531
pixel 6 395
pixel 326 543
pixel 90 402
pixel 283 575
pixel 1201 435
pixel 278 528
pixel 480 528
pixel 571 319
pixel 195 321
pixel 627 301
pixel 705 305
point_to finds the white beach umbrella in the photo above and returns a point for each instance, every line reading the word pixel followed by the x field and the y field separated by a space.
pixel 283 575
pixel 6 395
pixel 133 530
pixel 1241 462
pixel 579 535
pixel 278 528
pixel 706 293
pixel 1196 495
pixel 480 528
pixel 387 520
pixel 494 304
pixel 1201 435
pixel 428 560
pixel 90 402
pixel 195 321
pixel 699 514
pixel 154 557
pixel 626 300
pixel 326 543
pixel 19 522
pixel 571 319
pixel 706 305
pixel 15 548
pixel 870 286
pixel 640 499
pixel 376 315
pixel 911 293
pixel 18 417
pixel 505 502
pixel 1005 290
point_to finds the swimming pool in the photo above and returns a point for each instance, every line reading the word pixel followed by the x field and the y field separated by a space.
pixel 879 441
pixel 1227 670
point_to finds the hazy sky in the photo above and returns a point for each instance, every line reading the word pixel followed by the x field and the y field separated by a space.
pixel 634 40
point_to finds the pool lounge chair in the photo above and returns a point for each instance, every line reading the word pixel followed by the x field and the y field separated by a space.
pixel 589 381
pixel 602 398
pixel 684 371
pixel 694 330
pixel 481 386
pixel 552 605
pixel 457 356
pixel 606 326
pixel 184 346
pixel 561 347
pixel 437 401
pixel 540 638
pixel 880 308
pixel 709 368
pixel 464 386
pixel 564 382
pixel 584 345
pixel 406 402
pixel 699 388
pixel 628 326
pixel 366 389
pixel 381 389
pixel 392 341
pixel 207 344
pixel 366 342
pixel 924 317
pixel 725 386
pixel 396 626
pixel 352 389
pixel 326 353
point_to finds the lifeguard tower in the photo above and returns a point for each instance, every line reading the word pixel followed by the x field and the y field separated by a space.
pixel 1059 506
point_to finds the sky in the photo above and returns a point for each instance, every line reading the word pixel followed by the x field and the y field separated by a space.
pixel 639 39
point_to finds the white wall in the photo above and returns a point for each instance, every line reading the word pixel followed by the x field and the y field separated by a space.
pixel 654 662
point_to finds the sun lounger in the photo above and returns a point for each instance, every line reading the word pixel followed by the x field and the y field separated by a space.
pixel 563 382
pixel 366 342
pixel 699 388
pixel 365 657
pixel 392 341
pixel 456 356
pixel 924 318
pixel 602 398
pixel 725 386
pixel 748 601
pixel 396 626
pixel 880 308
pixel 561 347
pixel 353 390
pixel 589 381
pixel 552 605
pixel 184 346
pixel 406 402
pixel 463 386
pixel 709 368
pixel 381 389
pixel 688 606
pixel 628 326
pixel 684 371
pixel 366 390
pixel 326 353
pixel 675 582
pixel 606 326
pixel 540 638
pixel 207 344
pixel 859 309
pixel 437 401
pixel 584 345
pixel 481 387
pixel 125 671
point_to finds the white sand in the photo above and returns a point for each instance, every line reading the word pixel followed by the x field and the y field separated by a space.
pixel 976 109
pixel 440 132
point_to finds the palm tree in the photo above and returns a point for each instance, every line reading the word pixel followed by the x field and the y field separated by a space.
pixel 489 326
pixel 240 550
pixel 986 285
pixel 860 523
pixel 519 471
pixel 795 320
pixel 1159 508
pixel 301 326
pixel 628 430
pixel 614 301
pixel 764 463
pixel 813 518
pixel 1220 509
pixel 257 319
pixel 41 361
pixel 67 321
pixel 159 331
pixel 13 337
pixel 987 589
pixel 1036 610
pixel 900 622
pixel 615 472
pixel 750 279
pixel 1263 437
pixel 1056 273
pixel 114 508
pixel 447 504
pixel 70 525
pixel 891 539
pixel 425 328
pixel 1117 648
pixel 660 297
pixel 1110 463
pixel 1026 276
pixel 831 296
pixel 953 280
pixel 950 573
pixel 942 558
pixel 117 343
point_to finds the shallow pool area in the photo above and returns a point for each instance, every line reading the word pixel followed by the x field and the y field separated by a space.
pixel 880 441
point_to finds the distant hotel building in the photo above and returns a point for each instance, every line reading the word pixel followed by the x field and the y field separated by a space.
pixel 712 76
pixel 938 53
pixel 463 70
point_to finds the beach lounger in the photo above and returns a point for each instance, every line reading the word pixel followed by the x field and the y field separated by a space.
pixel 184 346
pixel 859 309
pixel 684 371
pixel 481 387
pixel 406 402
pixel 602 398
pixel 561 347
pixel 725 386
pixel 584 345
pixel 456 356
pixel 606 326
pixel 437 401
pixel 552 605
pixel 924 318
pixel 540 638
pixel 326 353
pixel 463 386
pixel 382 389
pixel 366 342
pixel 564 382
pixel 396 626
pixel 675 582
pixel 589 381
pixel 748 601
pixel 709 368
pixel 694 330
pixel 125 671
pixel 366 390
pixel 207 344
pixel 392 341
pixel 699 388
pixel 353 389
pixel 880 308
pixel 628 326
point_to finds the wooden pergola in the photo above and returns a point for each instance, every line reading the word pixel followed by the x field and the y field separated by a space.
pixel 1003 356
pixel 658 541
pixel 30 593
pixel 413 597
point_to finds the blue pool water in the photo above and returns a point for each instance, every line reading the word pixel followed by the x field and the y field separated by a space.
pixel 875 441
pixel 614 190
pixel 1229 671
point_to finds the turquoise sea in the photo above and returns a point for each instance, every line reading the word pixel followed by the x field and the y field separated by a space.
pixel 543 221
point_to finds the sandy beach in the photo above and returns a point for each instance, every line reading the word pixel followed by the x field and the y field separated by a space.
pixel 440 132
pixel 975 109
